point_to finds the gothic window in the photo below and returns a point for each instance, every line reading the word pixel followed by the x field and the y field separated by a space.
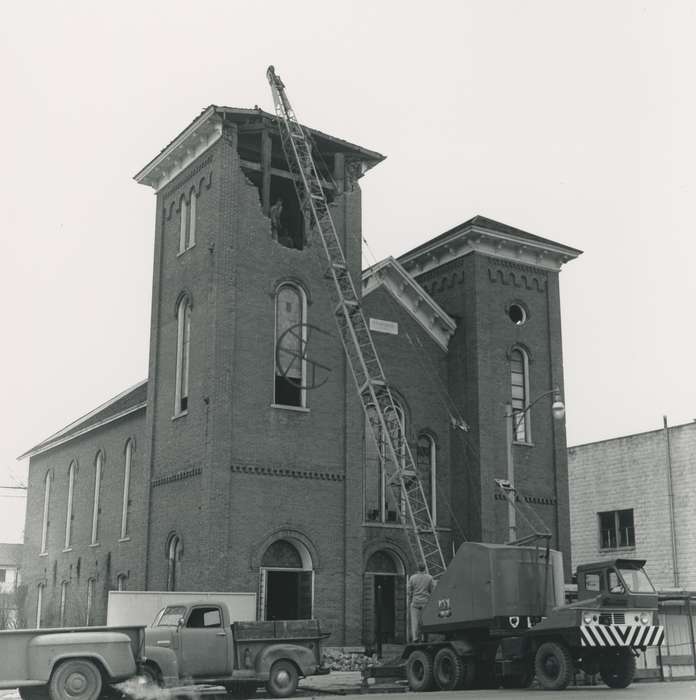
pixel 44 526
pixel 98 463
pixel 121 582
pixel 193 206
pixel 126 488
pixel 519 384
pixel 173 562
pixel 383 501
pixel 290 342
pixel 427 471
pixel 183 224
pixel 183 345
pixel 69 511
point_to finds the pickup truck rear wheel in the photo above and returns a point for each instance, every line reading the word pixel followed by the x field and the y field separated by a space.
pixel 283 678
pixel 553 666
pixel 75 679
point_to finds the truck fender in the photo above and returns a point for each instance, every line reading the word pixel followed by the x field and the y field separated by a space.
pixel 110 650
pixel 166 662
pixel 302 657
pixel 463 647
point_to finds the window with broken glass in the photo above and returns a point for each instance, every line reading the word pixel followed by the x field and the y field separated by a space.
pixel 616 529
pixel 290 344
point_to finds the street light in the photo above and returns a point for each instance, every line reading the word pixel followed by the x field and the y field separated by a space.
pixel 513 421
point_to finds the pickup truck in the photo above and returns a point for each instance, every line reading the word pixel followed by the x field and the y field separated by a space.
pixel 197 644
pixel 72 663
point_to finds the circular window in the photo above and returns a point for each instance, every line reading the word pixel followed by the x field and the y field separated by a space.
pixel 517 314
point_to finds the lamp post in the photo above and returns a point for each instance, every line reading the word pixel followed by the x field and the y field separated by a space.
pixel 513 421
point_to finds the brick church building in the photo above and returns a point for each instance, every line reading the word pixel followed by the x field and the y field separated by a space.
pixel 242 462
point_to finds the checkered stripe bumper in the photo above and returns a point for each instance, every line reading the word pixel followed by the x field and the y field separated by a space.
pixel 621 635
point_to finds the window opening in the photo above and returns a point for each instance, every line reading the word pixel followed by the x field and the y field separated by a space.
pixel 63 601
pixel 193 207
pixel 39 604
pixel 183 224
pixel 290 344
pixel 126 488
pixel 97 487
pixel 90 601
pixel 44 525
pixel 181 390
pixel 517 314
pixel 204 617
pixel 520 395
pixel 121 581
pixel 427 471
pixel 616 529
pixel 69 512
pixel 286 583
pixel 173 562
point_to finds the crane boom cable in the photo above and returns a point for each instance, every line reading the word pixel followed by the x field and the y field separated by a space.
pixel 368 374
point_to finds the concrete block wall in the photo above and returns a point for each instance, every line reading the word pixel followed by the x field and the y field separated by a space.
pixel 632 472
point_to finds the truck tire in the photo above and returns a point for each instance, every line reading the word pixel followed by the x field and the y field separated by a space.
pixel 419 671
pixel 452 671
pixel 553 666
pixel 75 679
pixel 618 669
pixel 283 678
pixel 150 677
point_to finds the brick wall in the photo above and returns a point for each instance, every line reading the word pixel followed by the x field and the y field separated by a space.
pixel 632 472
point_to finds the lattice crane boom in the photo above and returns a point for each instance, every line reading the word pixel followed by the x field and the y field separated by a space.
pixel 373 390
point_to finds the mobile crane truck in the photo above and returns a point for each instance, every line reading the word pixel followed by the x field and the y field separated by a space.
pixel 498 609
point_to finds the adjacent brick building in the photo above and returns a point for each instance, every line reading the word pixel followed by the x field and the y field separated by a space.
pixel 242 462
pixel 634 497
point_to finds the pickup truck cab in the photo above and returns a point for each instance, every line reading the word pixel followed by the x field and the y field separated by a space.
pixel 197 643
pixel 71 663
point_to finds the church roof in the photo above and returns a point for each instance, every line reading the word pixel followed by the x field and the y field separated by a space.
pixel 484 235
pixel 128 401
pixel 206 129
pixel 412 297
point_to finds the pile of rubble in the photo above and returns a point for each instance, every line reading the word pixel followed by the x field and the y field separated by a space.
pixel 340 660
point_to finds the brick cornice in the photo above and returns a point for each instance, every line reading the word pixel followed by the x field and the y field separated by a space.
pixel 291 471
pixel 177 476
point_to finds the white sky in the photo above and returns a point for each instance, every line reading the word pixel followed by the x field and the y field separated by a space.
pixel 571 120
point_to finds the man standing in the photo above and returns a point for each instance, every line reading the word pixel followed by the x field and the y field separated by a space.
pixel 418 589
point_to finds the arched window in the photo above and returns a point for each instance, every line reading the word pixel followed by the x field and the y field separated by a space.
pixel 290 343
pixel 121 582
pixel 192 219
pixel 44 525
pixel 286 582
pixel 126 488
pixel 183 226
pixel 98 464
pixel 39 604
pixel 69 512
pixel 519 382
pixel 183 344
pixel 383 500
pixel 90 601
pixel 173 562
pixel 427 471
pixel 63 602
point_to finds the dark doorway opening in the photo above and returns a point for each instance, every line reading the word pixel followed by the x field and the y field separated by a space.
pixel 385 608
pixel 288 595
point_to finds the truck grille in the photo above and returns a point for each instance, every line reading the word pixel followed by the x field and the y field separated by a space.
pixel 617 618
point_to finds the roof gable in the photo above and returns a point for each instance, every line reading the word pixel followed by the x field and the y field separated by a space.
pixel 412 297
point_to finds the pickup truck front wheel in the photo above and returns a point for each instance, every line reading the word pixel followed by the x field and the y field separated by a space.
pixel 283 678
pixel 75 679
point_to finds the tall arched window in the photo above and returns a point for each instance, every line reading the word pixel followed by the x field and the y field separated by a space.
pixel 519 384
pixel 44 525
pixel 69 511
pixel 383 501
pixel 290 344
pixel 126 488
pixel 98 464
pixel 427 471
pixel 173 562
pixel 183 208
pixel 183 344
pixel 192 219
pixel 39 604
pixel 121 582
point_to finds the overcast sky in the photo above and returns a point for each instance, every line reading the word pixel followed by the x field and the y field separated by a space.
pixel 570 120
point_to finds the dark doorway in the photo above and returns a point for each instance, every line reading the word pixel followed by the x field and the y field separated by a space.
pixel 288 595
pixel 385 608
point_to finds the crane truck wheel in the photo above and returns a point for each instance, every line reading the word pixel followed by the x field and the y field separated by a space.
pixel 419 670
pixel 452 671
pixel 618 669
pixel 553 666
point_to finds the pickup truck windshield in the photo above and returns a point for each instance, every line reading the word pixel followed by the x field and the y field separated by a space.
pixel 170 616
pixel 637 580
